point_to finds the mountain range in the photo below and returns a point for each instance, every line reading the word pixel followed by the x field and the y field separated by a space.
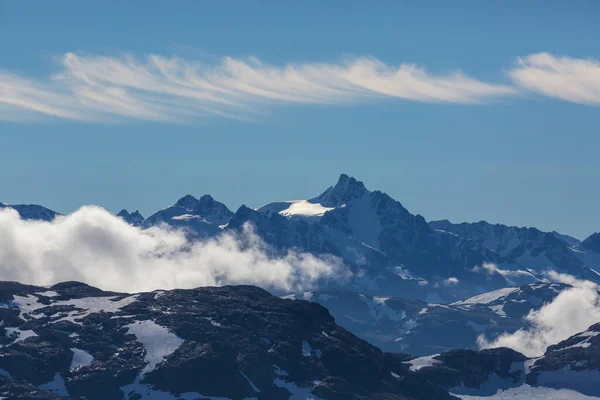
pixel 420 298
pixel 416 327
pixel 391 251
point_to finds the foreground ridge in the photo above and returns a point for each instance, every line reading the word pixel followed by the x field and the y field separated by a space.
pixel 234 342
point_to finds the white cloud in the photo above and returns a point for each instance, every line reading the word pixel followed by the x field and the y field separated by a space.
pixel 572 311
pixel 95 247
pixel 157 88
pixel 571 79
pixel 451 281
pixel 512 277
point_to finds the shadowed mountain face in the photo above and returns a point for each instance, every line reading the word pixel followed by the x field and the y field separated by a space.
pixel 420 328
pixel 226 343
pixel 134 218
pixel 592 243
pixel 32 211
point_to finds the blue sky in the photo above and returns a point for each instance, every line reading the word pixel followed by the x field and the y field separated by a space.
pixel 514 139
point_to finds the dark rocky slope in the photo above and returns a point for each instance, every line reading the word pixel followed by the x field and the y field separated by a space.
pixel 73 340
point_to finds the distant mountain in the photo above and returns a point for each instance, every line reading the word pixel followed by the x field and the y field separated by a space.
pixel 72 340
pixel 592 243
pixel 377 236
pixel 134 218
pixel 530 248
pixel 200 218
pixel 32 211
pixel 420 328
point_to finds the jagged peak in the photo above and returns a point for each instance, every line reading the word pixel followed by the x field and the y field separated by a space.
pixel 346 182
pixel 134 218
pixel 347 188
pixel 123 213
pixel 592 242
pixel 136 212
pixel 188 201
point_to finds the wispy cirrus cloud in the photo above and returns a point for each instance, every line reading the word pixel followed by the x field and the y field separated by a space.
pixel 572 79
pixel 157 88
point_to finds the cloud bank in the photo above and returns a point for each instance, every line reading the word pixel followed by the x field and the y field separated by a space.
pixel 93 246
pixel 572 311
pixel 157 88
pixel 572 79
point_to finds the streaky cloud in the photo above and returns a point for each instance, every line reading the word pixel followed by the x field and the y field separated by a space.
pixel 572 79
pixel 173 89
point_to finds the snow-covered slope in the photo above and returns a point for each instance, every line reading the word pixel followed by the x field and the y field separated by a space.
pixel 296 209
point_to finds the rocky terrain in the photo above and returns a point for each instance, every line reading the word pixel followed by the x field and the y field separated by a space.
pixel 573 363
pixel 75 341
pixel 570 368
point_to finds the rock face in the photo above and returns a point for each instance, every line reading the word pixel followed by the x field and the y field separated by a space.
pixel 73 340
pixel 420 328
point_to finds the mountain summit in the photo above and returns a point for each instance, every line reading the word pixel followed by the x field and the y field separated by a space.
pixel 346 189
pixel 135 218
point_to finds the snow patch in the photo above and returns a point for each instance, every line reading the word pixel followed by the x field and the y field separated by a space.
pixel 531 393
pixel 20 335
pixel 80 358
pixel 307 350
pixel 422 362
pixel 56 386
pixel 489 297
pixel 158 341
